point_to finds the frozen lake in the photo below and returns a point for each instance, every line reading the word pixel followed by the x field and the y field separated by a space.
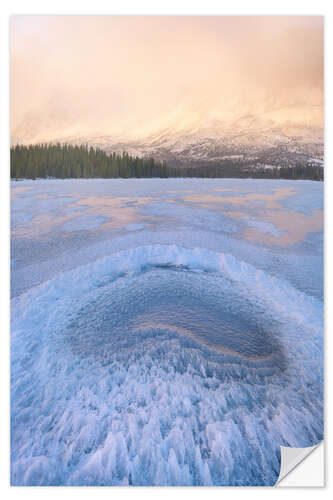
pixel 164 331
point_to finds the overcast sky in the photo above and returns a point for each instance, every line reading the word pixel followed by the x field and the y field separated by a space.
pixel 136 75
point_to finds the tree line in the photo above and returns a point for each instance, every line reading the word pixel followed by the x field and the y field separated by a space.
pixel 67 161
pixel 299 171
pixel 228 168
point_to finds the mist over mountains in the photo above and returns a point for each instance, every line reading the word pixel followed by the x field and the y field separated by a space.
pixel 244 140
pixel 187 90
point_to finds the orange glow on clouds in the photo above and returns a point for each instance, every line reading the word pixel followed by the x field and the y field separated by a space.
pixel 132 76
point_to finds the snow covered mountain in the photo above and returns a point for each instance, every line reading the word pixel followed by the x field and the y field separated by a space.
pixel 246 138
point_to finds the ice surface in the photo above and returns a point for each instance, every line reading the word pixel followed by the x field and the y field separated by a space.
pixel 84 223
pixel 134 227
pixel 178 352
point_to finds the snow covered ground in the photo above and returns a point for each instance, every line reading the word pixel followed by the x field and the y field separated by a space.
pixel 164 331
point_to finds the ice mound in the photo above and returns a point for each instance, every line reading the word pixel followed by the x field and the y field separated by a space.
pixel 163 365
pixel 196 308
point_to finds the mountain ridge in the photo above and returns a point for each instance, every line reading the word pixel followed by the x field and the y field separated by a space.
pixel 244 139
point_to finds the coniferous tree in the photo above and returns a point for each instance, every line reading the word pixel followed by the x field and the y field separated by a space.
pixel 67 161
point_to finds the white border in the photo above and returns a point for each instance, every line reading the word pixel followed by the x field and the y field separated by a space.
pixel 177 7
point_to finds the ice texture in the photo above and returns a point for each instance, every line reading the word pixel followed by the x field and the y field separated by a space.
pixel 173 354
pixel 265 227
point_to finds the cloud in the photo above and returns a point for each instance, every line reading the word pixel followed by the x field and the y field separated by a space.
pixel 135 75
